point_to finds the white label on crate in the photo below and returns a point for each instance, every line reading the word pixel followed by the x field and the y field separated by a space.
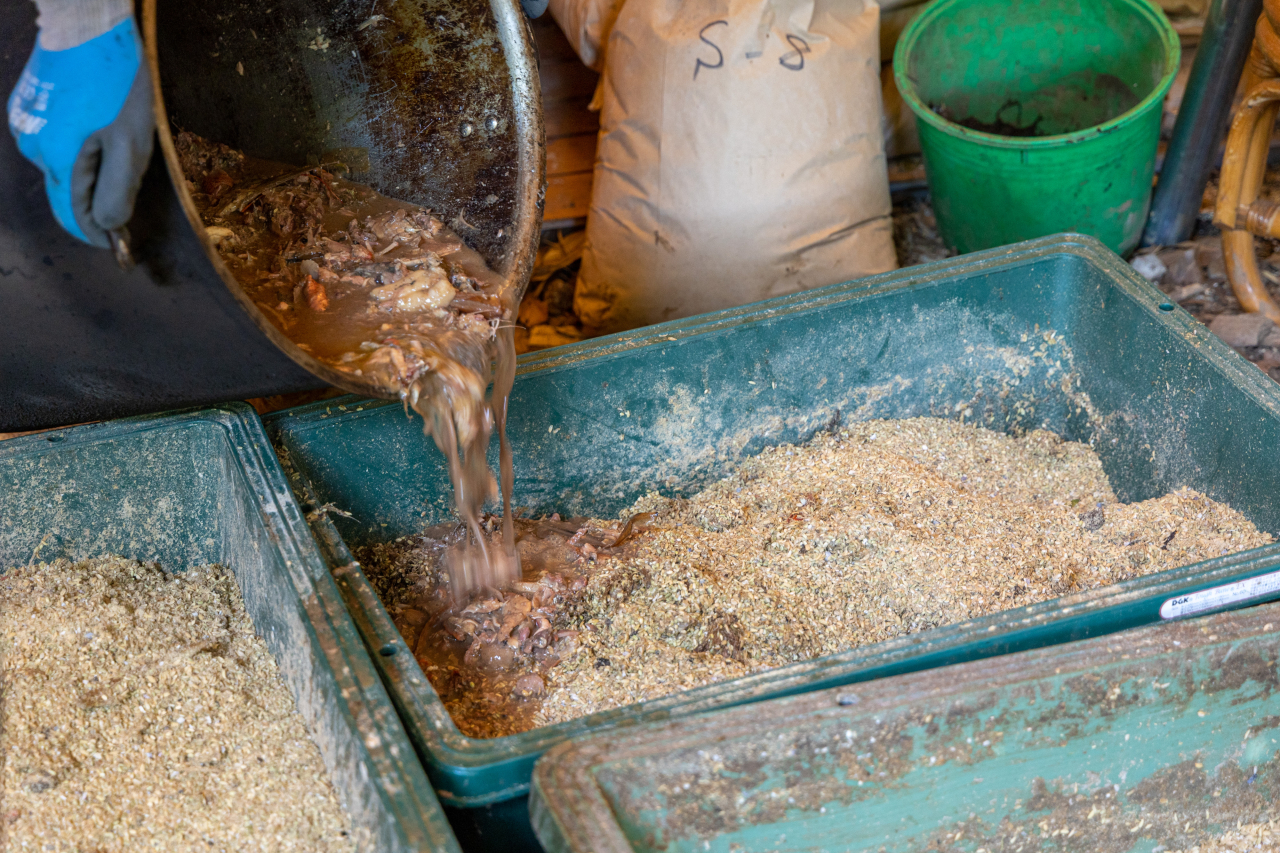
pixel 1221 596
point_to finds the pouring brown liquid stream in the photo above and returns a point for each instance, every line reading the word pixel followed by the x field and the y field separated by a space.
pixel 382 290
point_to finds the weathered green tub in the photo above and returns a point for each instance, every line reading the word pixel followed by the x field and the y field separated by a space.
pixel 1149 740
pixel 202 487
pixel 1057 332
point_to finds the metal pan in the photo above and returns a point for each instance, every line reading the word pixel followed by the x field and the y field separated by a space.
pixel 436 103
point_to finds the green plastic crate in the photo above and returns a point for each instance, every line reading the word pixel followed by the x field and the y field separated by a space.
pixel 597 424
pixel 202 487
pixel 1136 741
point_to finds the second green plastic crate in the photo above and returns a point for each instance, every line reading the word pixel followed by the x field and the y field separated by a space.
pixel 194 488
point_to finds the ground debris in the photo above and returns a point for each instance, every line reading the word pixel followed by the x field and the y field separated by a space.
pixel 915 233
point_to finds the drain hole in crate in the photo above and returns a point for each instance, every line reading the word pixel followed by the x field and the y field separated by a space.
pixel 1166 306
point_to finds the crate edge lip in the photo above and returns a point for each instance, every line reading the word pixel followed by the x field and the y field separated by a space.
pixel 226 416
pixel 673 331
pixel 1126 280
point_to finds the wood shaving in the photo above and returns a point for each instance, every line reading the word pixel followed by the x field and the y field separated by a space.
pixel 138 711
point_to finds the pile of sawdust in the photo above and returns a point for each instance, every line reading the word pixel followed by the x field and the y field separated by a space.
pixel 885 529
pixel 138 711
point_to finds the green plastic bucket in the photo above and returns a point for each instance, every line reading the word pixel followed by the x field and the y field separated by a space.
pixel 1084 80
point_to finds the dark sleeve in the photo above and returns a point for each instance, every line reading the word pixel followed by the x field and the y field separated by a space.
pixel 67 23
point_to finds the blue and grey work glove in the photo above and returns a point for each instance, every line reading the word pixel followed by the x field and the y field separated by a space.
pixel 82 112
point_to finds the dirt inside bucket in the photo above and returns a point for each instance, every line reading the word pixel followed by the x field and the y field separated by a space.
pixel 1079 102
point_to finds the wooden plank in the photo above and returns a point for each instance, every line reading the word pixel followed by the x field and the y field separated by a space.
pixel 567 88
pixel 569 116
pixel 568 197
pixel 561 71
pixel 566 79
pixel 571 154
pixel 551 40
pixel 910 168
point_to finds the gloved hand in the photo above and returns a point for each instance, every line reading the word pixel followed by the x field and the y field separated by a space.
pixel 84 116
